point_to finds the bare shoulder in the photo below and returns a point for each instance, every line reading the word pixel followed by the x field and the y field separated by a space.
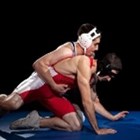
pixel 83 60
pixel 66 45
pixel 64 49
pixel 87 60
pixel 61 52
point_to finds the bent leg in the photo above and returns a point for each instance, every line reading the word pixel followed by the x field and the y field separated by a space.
pixel 69 122
pixel 63 109
pixel 11 102
pixel 33 121
pixel 2 112
pixel 54 123
pixel 66 116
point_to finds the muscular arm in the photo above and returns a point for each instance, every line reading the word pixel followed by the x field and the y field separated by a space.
pixel 41 65
pixel 100 109
pixel 83 78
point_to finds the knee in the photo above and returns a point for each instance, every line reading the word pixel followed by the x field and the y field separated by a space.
pixel 12 102
pixel 2 97
pixel 73 127
pixel 76 127
pixel 73 121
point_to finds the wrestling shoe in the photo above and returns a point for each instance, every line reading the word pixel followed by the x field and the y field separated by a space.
pixel 31 121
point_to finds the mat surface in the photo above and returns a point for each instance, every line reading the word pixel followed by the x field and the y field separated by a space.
pixel 128 129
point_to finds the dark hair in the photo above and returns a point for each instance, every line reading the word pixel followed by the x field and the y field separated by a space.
pixel 85 28
pixel 114 61
pixel 109 62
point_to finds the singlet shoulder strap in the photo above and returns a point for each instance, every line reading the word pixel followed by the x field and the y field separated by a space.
pixel 73 48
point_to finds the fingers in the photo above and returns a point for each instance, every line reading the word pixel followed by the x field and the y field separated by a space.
pixel 112 131
pixel 64 88
pixel 126 112
pixel 106 131
pixel 123 114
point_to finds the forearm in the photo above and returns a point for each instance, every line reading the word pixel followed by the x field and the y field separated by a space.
pixel 88 105
pixel 90 112
pixel 44 73
pixel 102 111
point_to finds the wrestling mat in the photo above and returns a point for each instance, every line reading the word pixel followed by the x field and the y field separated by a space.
pixel 128 129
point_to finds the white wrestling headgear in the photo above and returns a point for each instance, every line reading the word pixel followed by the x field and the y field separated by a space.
pixel 85 39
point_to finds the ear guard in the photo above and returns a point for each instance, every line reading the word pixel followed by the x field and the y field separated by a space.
pixel 104 68
pixel 85 39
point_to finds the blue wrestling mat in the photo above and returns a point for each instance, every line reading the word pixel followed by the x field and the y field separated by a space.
pixel 128 129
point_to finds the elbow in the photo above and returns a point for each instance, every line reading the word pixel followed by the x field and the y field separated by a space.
pixel 97 101
pixel 34 65
pixel 37 65
pixel 87 104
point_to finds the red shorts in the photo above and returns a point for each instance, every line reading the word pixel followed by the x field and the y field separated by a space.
pixel 60 106
pixel 34 89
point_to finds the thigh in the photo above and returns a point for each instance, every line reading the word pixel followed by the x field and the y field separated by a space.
pixel 60 106
pixel 56 104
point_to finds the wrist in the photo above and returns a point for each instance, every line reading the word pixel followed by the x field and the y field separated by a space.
pixel 53 85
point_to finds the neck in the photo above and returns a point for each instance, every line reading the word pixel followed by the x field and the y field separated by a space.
pixel 80 50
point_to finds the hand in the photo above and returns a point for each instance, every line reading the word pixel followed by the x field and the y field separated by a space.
pixel 61 88
pixel 105 131
pixel 120 115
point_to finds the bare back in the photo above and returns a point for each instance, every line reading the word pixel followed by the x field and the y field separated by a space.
pixel 69 66
pixel 63 51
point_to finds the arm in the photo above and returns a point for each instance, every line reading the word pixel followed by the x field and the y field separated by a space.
pixel 102 111
pixel 42 64
pixel 83 79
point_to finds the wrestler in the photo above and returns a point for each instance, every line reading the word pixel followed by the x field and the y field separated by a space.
pixel 75 71
pixel 88 39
